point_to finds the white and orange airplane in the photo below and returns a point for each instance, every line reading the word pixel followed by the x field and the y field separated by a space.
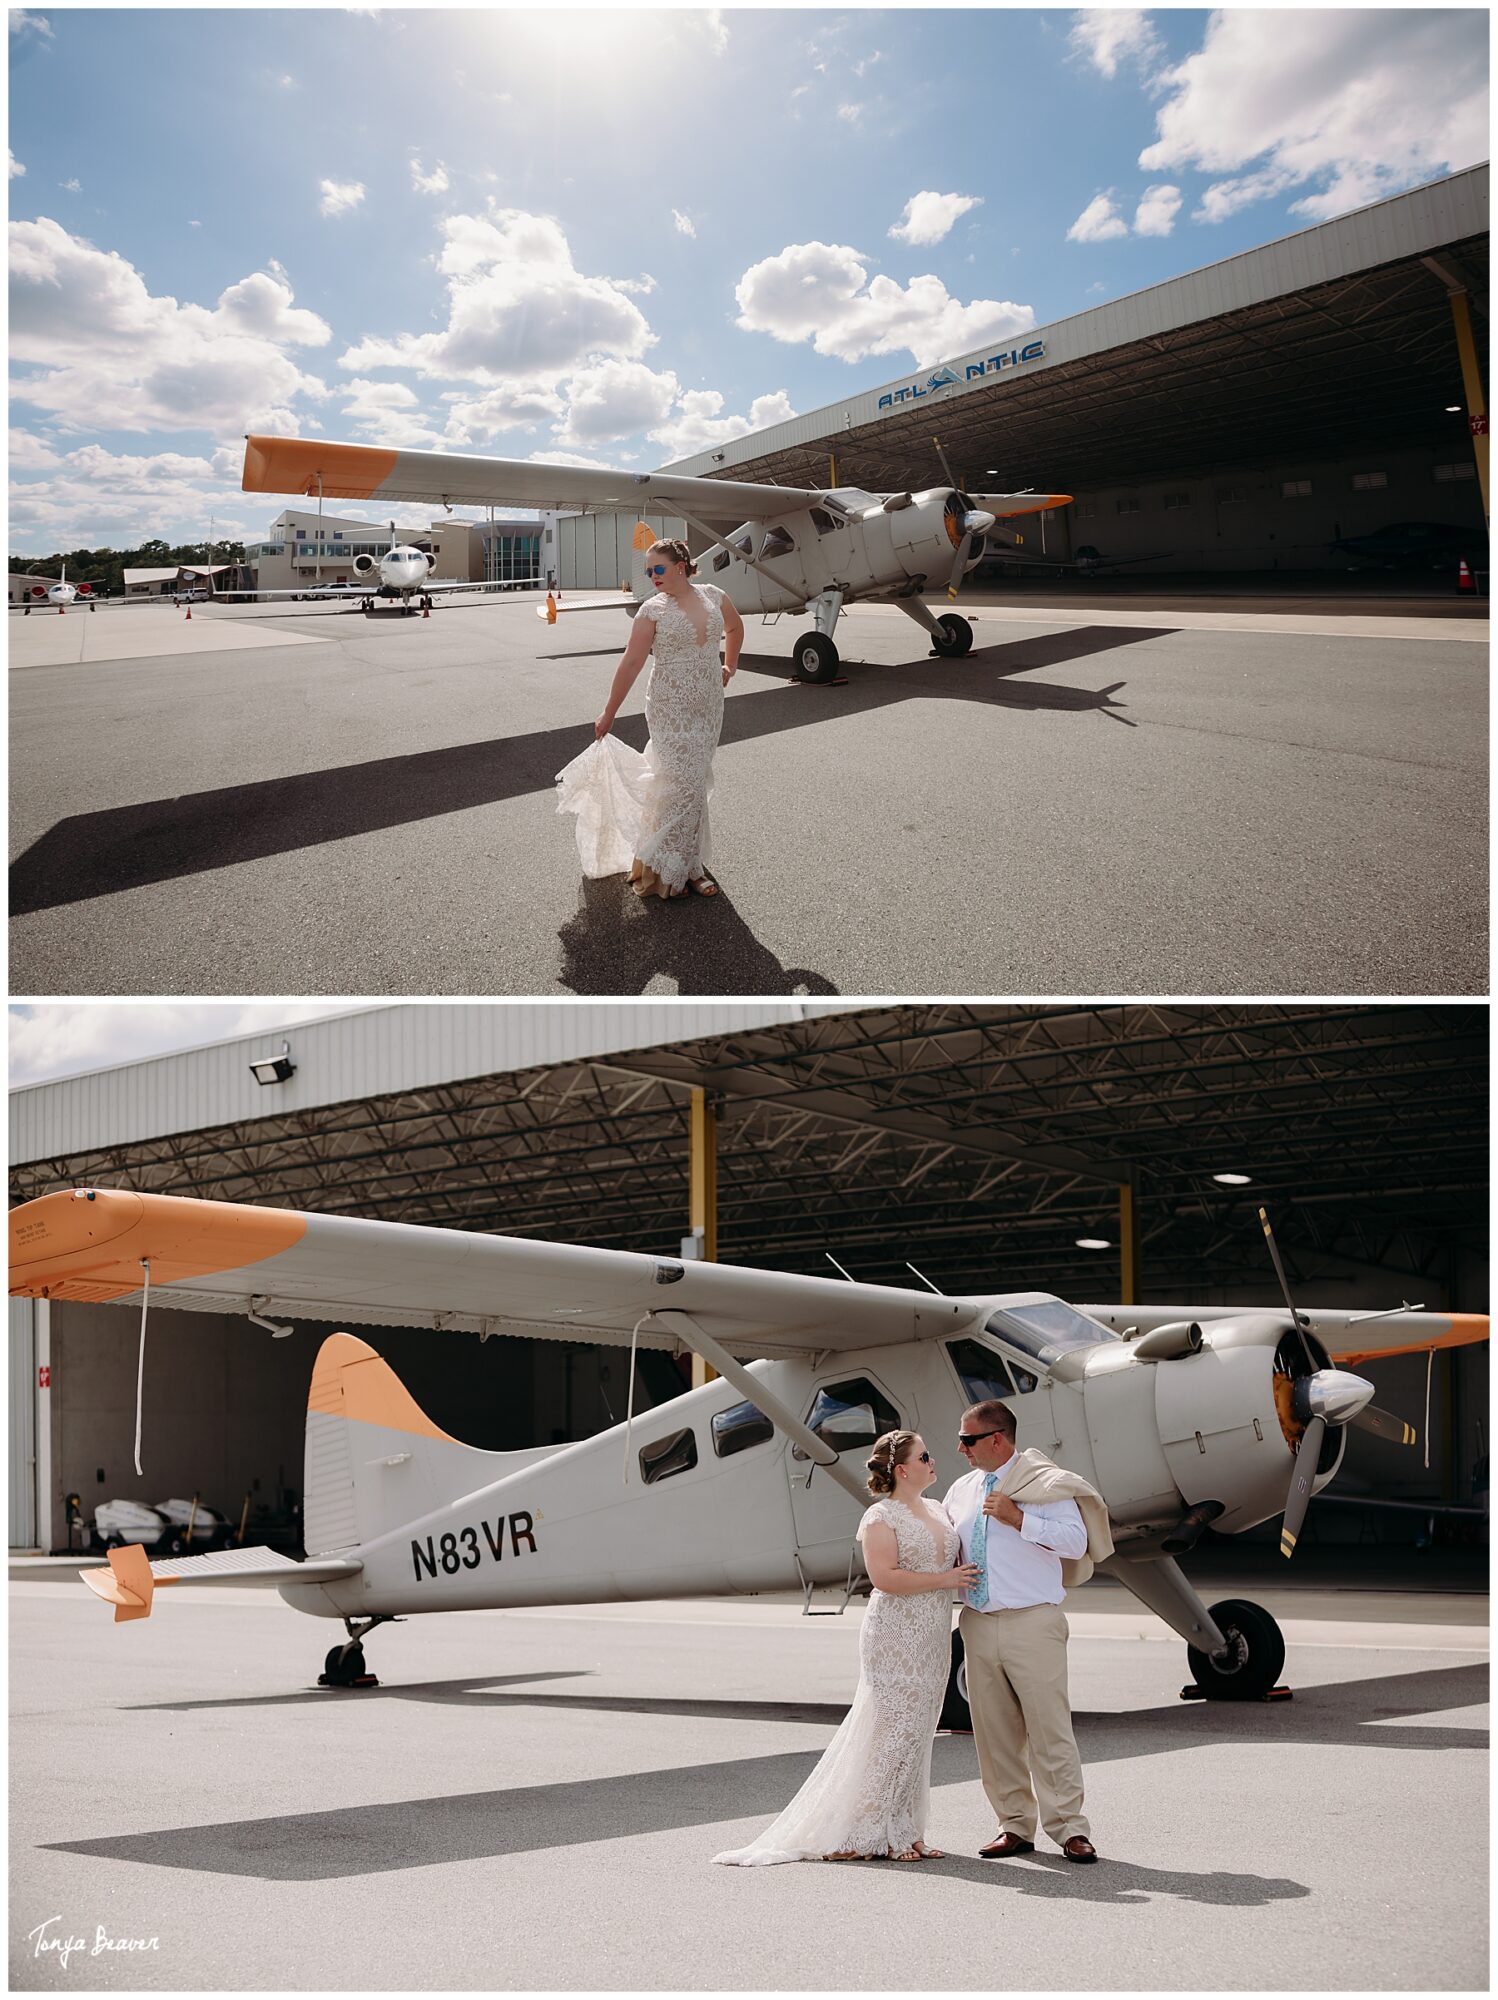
pixel 61 595
pixel 1224 1417
pixel 772 549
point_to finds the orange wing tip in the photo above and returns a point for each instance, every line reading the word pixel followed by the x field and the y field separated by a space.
pixel 307 465
pixel 127 1584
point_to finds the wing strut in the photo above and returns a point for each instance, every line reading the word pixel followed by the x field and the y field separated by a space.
pixel 753 1390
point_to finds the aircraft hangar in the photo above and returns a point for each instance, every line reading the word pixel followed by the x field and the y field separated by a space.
pixel 984 1145
pixel 1242 417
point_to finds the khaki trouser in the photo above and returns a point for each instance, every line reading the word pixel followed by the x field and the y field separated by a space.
pixel 1016 1689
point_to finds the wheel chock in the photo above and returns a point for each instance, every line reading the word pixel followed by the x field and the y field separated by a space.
pixel 1193 1693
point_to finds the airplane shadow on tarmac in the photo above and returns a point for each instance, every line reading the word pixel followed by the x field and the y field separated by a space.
pixel 415 1833
pixel 127 847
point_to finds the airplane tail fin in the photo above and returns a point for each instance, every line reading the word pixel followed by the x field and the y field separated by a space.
pixel 374 1459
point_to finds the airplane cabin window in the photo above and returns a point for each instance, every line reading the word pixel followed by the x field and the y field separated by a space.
pixel 1047 1328
pixel 823 522
pixel 742 543
pixel 982 1373
pixel 722 559
pixel 738 1428
pixel 777 543
pixel 676 1452
pixel 851 1415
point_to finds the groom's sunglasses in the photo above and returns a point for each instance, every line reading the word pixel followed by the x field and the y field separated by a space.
pixel 976 1438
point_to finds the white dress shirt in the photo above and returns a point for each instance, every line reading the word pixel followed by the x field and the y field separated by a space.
pixel 1024 1563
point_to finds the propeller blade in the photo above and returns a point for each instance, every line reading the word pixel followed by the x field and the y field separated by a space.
pixel 1279 1272
pixel 946 469
pixel 1300 1485
pixel 1394 1430
pixel 964 549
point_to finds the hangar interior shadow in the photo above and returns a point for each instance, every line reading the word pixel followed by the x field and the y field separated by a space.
pixel 414 1833
pixel 128 847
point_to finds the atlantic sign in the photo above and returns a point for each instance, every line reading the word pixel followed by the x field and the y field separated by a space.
pixel 945 377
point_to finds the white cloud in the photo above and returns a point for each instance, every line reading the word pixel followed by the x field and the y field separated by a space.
pixel 640 287
pixel 1358 104
pixel 929 217
pixel 850 113
pixel 513 406
pixel 22 23
pixel 92 339
pixel 696 425
pixel 61 1038
pixel 99 498
pixel 816 291
pixel 868 62
pixel 716 29
pixel 615 399
pixel 16 169
pixel 29 453
pixel 193 223
pixel 338 197
pixel 684 223
pixel 1107 36
pixel 1157 211
pixel 1098 221
pixel 436 182
pixel 72 186
pixel 518 308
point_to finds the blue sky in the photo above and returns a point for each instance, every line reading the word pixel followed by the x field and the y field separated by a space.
pixel 621 236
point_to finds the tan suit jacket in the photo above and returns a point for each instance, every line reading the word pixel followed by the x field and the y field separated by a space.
pixel 1030 1475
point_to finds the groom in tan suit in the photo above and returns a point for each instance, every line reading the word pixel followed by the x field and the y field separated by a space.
pixel 1014 1632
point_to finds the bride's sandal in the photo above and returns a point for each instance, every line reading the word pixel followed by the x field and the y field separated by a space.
pixel 910 1854
pixel 848 1854
pixel 930 1853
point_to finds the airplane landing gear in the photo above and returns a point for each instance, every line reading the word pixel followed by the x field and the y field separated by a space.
pixel 344 1667
pixel 954 637
pixel 815 658
pixel 1255 1654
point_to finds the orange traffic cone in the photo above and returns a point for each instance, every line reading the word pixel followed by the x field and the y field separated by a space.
pixel 189 611
pixel 1464 577
pixel 426 609
pixel 551 609
pixel 59 611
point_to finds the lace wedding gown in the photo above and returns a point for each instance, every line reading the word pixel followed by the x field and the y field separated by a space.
pixel 684 708
pixel 872 1788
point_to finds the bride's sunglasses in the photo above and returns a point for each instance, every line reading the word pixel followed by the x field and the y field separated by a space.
pixel 655 569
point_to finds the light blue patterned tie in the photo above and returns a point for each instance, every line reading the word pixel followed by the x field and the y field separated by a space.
pixel 978 1595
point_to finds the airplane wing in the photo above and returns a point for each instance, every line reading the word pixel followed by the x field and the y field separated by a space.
pixel 1009 506
pixel 1348 1337
pixel 206 1256
pixel 438 478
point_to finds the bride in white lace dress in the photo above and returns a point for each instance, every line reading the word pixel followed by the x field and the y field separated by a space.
pixel 870 1793
pixel 684 624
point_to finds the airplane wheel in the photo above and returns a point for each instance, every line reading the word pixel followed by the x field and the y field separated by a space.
pixel 956 637
pixel 954 1709
pixel 815 657
pixel 342 1669
pixel 1258 1649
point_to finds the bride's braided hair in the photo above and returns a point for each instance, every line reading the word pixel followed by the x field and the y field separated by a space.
pixel 889 1451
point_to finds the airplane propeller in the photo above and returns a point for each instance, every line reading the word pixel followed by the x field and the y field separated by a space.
pixel 1326 1396
pixel 966 524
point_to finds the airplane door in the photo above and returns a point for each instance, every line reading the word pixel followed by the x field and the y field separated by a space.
pixel 849 1413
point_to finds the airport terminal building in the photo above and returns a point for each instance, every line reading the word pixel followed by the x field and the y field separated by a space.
pixel 1068 1148
pixel 1244 417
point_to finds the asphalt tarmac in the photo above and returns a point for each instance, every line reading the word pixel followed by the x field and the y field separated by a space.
pixel 1101 799
pixel 531 1801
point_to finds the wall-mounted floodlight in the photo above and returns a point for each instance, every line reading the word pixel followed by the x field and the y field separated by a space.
pixel 1093 1243
pixel 1233 1180
pixel 274 1069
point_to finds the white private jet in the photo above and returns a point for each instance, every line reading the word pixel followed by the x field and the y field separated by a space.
pixel 772 548
pixel 1220 1416
pixel 402 572
pixel 62 594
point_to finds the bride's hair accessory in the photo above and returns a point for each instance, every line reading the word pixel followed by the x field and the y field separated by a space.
pixel 895 1448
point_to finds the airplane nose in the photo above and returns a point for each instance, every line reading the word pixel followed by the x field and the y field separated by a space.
pixel 1337 1396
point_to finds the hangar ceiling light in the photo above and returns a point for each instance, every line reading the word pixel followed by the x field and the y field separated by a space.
pixel 1232 1180
pixel 1093 1243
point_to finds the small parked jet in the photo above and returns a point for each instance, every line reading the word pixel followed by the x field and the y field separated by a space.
pixel 62 594
pixel 790 548
pixel 752 1482
pixel 402 573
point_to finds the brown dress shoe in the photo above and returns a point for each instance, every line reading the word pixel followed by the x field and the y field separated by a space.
pixel 1079 1848
pixel 1005 1845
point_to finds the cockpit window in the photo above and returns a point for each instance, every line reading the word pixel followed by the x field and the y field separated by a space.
pixel 1048 1328
pixel 777 543
pixel 823 521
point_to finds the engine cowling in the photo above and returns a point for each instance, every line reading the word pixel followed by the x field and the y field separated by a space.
pixel 431 563
pixel 928 532
pixel 365 565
